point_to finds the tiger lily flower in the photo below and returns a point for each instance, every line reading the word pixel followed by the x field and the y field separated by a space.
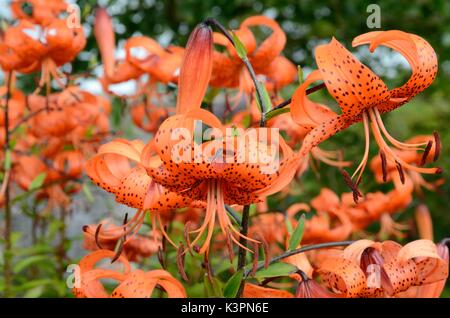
pixel 161 64
pixel 72 112
pixel 273 69
pixel 373 269
pixel 362 95
pixel 148 117
pixel 385 170
pixel 329 224
pixel 132 284
pixel 135 248
pixel 42 11
pixel 219 175
pixel 28 47
pixel 117 168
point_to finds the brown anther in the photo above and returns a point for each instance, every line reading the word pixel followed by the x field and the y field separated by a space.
pixel 383 165
pixel 400 172
pixel 161 257
pixel 97 232
pixel 125 220
pixel 119 251
pixel 426 152
pixel 353 187
pixel 180 262
pixel 196 248
pixel 437 141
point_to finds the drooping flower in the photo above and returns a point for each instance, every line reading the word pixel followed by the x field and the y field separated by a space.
pixel 28 47
pixel 135 248
pixel 143 55
pixel 215 171
pixel 369 269
pixel 41 11
pixel 132 284
pixel 273 69
pixel 362 96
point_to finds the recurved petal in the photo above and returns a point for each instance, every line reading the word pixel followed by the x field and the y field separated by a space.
pixel 354 86
pixel 255 291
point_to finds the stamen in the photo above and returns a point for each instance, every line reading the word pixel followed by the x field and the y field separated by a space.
pixel 119 251
pixel 161 257
pixel 97 232
pixel 180 262
pixel 363 163
pixel 426 153
pixel 125 227
pixel 395 142
pixel 437 142
pixel 186 236
pixel 353 187
pixel 400 172
pixel 383 165
pixel 382 144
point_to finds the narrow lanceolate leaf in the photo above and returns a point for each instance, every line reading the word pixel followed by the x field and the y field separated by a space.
pixel 213 287
pixel 277 112
pixel 275 270
pixel 289 227
pixel 296 237
pixel 232 286
pixel 87 192
pixel 300 74
pixel 239 46
pixel 7 163
pixel 37 182
pixel 267 103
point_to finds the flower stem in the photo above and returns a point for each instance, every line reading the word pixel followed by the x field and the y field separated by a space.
pixel 259 95
pixel 298 251
pixel 242 252
pixel 8 219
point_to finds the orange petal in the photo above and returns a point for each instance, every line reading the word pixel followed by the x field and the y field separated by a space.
pixel 195 70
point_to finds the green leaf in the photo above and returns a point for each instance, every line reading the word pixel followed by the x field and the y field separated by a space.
pixel 296 237
pixel 37 182
pixel 265 96
pixel 275 270
pixel 300 74
pixel 288 225
pixel 239 46
pixel 26 262
pixel 232 286
pixel 35 292
pixel 7 163
pixel 213 287
pixel 87 192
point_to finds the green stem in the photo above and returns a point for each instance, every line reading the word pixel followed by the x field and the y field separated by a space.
pixel 259 95
pixel 243 252
pixel 298 251
pixel 8 218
